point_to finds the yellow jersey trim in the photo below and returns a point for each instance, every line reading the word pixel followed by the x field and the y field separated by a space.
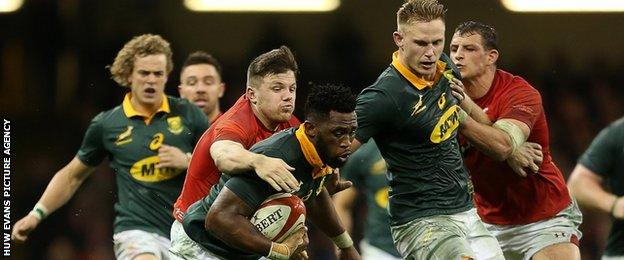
pixel 129 111
pixel 311 155
pixel 417 82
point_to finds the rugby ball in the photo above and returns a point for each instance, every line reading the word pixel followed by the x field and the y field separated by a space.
pixel 279 216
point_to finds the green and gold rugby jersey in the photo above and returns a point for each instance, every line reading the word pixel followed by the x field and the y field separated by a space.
pixel 253 190
pixel 605 157
pixel 367 170
pixel 414 123
pixel 145 194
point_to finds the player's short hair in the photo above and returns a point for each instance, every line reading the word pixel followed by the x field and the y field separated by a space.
pixel 273 62
pixel 139 46
pixel 323 99
pixel 489 37
pixel 201 57
pixel 420 11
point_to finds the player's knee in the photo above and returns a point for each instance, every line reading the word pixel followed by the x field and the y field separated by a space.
pixel 561 251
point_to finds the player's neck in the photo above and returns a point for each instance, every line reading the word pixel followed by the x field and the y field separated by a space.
pixel 212 116
pixel 477 87
pixel 263 119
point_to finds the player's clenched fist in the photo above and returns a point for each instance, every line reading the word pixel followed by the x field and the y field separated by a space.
pixel 23 227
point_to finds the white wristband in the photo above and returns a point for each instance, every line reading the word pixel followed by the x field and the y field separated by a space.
pixel 343 240
pixel 515 133
pixel 278 251
pixel 39 211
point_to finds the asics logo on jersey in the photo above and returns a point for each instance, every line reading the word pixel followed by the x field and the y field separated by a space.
pixel 157 141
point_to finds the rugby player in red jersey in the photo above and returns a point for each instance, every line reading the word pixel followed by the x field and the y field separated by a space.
pixel 265 108
pixel 531 214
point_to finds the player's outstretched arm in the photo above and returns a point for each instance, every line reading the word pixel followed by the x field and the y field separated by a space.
pixel 322 214
pixel 228 220
pixel 60 189
pixel 498 141
pixel 503 140
pixel 586 187
pixel 231 157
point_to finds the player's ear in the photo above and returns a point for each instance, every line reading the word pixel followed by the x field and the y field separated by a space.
pixel 310 129
pixel 398 39
pixel 221 90
pixel 492 56
pixel 251 94
pixel 180 91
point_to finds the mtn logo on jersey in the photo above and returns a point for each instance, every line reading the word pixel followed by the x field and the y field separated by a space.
pixel 446 126
pixel 145 170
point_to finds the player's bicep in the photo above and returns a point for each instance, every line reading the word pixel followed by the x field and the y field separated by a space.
pixel 229 203
pixel 603 152
pixel 224 147
pixel 231 131
pixel 524 105
pixel 250 189
pixel 582 174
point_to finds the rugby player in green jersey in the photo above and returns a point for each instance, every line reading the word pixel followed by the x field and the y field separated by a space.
pixel 218 226
pixel 141 138
pixel 412 115
pixel 367 170
pixel 603 164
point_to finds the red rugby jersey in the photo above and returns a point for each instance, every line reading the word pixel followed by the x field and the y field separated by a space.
pixel 238 124
pixel 501 195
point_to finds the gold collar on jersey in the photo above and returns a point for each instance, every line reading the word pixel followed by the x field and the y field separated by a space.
pixel 418 82
pixel 129 111
pixel 309 152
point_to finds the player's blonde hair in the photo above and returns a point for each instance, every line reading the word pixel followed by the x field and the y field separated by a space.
pixel 139 46
pixel 420 11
